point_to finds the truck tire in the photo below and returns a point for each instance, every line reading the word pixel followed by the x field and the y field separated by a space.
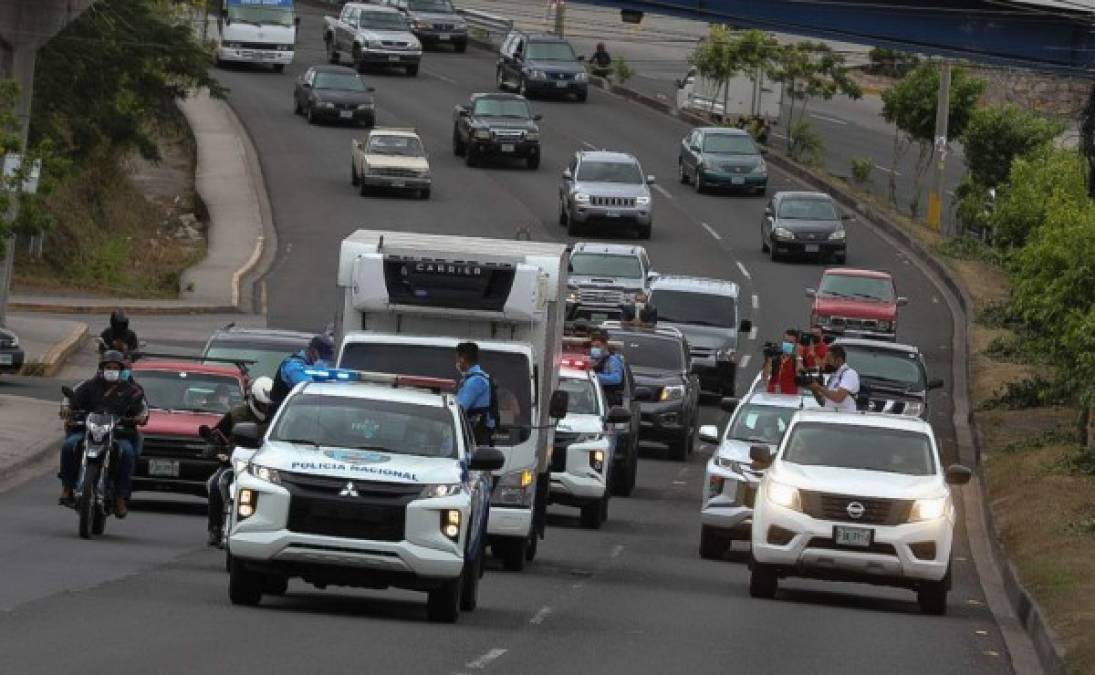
pixel 275 585
pixel 623 483
pixel 460 47
pixel 412 71
pixel 644 231
pixel 471 156
pixel 353 175
pixel 279 67
pixel 532 547
pixel 932 595
pixel 358 59
pixel 512 551
pixel 500 80
pixel 443 604
pixel 713 543
pixel 469 577
pixel 594 513
pixel 763 580
pixel 244 587
pixel 533 162
pixel 679 448
pixel 458 147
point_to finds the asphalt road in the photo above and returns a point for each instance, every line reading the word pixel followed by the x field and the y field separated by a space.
pixel 632 597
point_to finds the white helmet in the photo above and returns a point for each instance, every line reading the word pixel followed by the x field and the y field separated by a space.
pixel 259 400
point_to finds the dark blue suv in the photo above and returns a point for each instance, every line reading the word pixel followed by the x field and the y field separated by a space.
pixel 541 64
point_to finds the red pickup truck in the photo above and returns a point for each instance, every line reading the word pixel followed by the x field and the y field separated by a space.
pixel 856 303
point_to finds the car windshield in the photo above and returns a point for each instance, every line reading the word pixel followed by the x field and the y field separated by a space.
pixel 850 446
pixel 194 392
pixel 849 286
pixel 277 16
pixel 606 265
pixel 401 146
pixel 511 371
pixel 266 358
pixel 730 144
pixel 500 107
pixel 549 51
pixel 701 309
pixel 340 81
pixel 807 209
pixel 900 369
pixel 610 172
pixel 382 21
pixel 652 351
pixel 360 423
pixel 583 397
pixel 439 6
pixel 761 423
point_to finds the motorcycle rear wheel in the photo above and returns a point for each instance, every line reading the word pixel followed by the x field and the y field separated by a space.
pixel 86 505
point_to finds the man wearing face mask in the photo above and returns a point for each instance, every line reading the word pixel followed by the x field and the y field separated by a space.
pixel 609 367
pixel 842 385
pixel 293 370
pixel 781 371
pixel 477 394
pixel 110 391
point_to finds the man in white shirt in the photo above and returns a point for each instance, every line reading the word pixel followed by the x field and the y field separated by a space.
pixel 842 386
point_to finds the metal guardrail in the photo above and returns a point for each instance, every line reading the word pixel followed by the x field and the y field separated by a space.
pixel 486 26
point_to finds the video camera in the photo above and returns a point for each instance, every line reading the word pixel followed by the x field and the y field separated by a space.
pixel 808 377
pixel 772 350
pixel 806 338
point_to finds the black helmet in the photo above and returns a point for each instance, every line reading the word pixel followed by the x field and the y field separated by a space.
pixel 119 320
pixel 324 346
pixel 112 356
pixel 649 314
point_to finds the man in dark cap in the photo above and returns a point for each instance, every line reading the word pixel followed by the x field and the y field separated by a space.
pixel 293 370
pixel 118 336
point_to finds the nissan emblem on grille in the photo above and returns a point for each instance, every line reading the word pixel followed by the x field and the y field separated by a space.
pixel 855 510
pixel 351 491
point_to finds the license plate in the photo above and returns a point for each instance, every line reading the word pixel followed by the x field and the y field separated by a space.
pixel 561 84
pixel 598 317
pixel 737 180
pixel 508 147
pixel 346 114
pixel 443 36
pixel 859 537
pixel 612 214
pixel 399 183
pixel 163 467
pixel 6 359
pixel 393 57
pixel 812 248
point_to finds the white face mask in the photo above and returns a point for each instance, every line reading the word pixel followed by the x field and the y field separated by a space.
pixel 112 375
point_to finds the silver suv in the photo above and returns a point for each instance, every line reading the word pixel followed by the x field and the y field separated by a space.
pixel 706 311
pixel 603 277
pixel 605 188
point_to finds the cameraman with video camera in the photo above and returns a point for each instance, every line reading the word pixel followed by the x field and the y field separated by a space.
pixel 782 364
pixel 814 347
pixel 842 386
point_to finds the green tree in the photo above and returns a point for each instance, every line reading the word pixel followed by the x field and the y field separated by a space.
pixel 996 135
pixel 1045 178
pixel 891 63
pixel 722 55
pixel 32 216
pixel 810 70
pixel 910 106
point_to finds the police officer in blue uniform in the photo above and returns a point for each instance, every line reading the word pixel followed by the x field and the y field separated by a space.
pixel 292 371
pixel 609 367
pixel 476 394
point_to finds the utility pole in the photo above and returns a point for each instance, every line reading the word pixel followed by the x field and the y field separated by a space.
pixel 560 16
pixel 19 67
pixel 939 156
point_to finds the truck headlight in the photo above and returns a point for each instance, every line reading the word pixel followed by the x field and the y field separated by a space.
pixel 759 168
pixel 532 136
pixel 885 325
pixel 673 392
pixel 581 77
pixel 536 75
pixel 928 509
pixel 326 104
pixel 482 134
pixel 724 354
pixel 264 473
pixel 783 495
pixel 913 409
pixel 450 524
pixel 514 489
pixel 597 460
pixel 374 44
pixel 572 295
pixel 642 200
pixel 783 233
pixel 365 106
pixel 581 198
pixel 823 321
pixel 839 235
pixel 441 490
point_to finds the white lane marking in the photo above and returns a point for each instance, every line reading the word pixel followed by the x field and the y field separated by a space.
pixel 662 191
pixel 447 80
pixel 744 272
pixel 710 230
pixel 744 362
pixel 617 550
pixel 778 135
pixel 834 120
pixel 683 472
pixel 589 145
pixel 887 170
pixel 753 333
pixel 756 301
pixel 680 482
pixel 935 300
pixel 484 660
pixel 540 615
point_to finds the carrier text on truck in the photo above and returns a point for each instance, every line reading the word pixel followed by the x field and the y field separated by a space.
pixel 408 299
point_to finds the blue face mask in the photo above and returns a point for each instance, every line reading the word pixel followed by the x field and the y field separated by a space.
pixel 596 352
pixel 125 374
pixel 788 347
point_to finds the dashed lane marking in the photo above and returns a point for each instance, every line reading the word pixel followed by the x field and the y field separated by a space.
pixel 710 230
pixel 753 333
pixel 887 170
pixel 756 301
pixel 539 616
pixel 485 660
pixel 447 80
pixel 662 191
pixel 617 550
pixel 589 145
pixel 744 272
pixel 744 362
pixel 834 120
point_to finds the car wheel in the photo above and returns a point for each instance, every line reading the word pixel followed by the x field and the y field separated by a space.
pixel 458 146
pixel 697 181
pixel 591 514
pixel 473 571
pixel 512 551
pixel 644 231
pixel 533 162
pixel 772 253
pixel 412 71
pixel 761 191
pixel 275 585
pixel 443 604
pixel 763 241
pixel 841 258
pixel 369 121
pixel 932 595
pixel 424 193
pixel 244 587
pixel 681 173
pixel 500 79
pixel 460 47
pixel 353 175
pixel 623 483
pixel 363 190
pixel 763 581
pixel 297 110
pixel 358 59
pixel 582 96
pixel 522 88
pixel 573 228
pixel 713 543
pixel 279 67
pixel 471 156
pixel 678 448
pixel 332 55
pixel 562 212
pixel 532 547
pixel 310 115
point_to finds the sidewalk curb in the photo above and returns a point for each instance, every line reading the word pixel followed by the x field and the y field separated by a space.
pixel 996 572
pixel 54 359
pixel 40 452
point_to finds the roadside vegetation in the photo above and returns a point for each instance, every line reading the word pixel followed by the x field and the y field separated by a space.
pixel 104 118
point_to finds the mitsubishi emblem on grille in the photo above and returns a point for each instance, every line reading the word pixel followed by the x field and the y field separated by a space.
pixel 855 510
pixel 351 491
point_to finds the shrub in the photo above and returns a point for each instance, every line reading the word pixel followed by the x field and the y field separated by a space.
pixel 861 169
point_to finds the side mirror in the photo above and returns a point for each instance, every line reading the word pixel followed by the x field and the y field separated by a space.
pixel 487 459
pixel 643 394
pixel 763 150
pixel 709 433
pixel 557 408
pixel 651 277
pixel 650 180
pixel 847 216
pixel 902 301
pixel 679 83
pixel 581 57
pixel 370 89
pixel 768 211
pixel 567 175
pixel 811 292
pixel 761 456
pixel 729 404
pixel 246 435
pixel 68 392
pixel 296 20
pixel 618 415
pixel 694 148
pixel 537 117
pixel 958 475
pixel 462 111
pixel 746 326
pixel 935 384
pixel 305 85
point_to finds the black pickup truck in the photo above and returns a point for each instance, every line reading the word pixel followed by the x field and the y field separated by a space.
pixel 496 125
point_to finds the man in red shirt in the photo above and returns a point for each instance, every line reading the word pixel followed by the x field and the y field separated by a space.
pixel 781 374
pixel 813 354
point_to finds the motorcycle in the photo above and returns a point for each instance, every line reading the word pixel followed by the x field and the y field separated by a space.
pixel 94 493
pixel 218 446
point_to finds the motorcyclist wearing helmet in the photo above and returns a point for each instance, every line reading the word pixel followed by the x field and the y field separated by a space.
pixel 111 391
pixel 256 409
pixel 118 336
pixel 292 371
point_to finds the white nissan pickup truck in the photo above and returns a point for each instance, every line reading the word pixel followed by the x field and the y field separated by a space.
pixel 368 480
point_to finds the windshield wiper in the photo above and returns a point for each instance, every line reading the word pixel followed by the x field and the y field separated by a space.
pixel 299 441
pixel 834 294
pixel 866 296
pixel 377 448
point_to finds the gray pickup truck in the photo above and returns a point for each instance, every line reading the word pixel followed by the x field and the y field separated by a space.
pixel 365 35
pixel 433 22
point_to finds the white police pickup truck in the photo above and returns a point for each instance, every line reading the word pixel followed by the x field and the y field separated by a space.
pixel 368 480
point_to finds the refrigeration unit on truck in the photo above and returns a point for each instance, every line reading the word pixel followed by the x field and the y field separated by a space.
pixel 407 300
pixel 256 31
pixel 741 97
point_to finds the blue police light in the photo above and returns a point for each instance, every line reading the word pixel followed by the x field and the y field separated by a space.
pixel 336 375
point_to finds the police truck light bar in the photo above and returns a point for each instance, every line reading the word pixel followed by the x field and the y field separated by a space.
pixel 439 384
